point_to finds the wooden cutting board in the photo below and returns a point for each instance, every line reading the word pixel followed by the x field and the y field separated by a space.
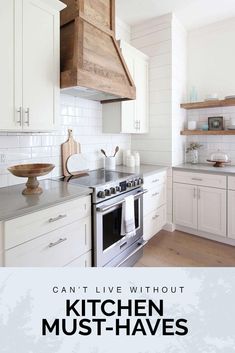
pixel 67 149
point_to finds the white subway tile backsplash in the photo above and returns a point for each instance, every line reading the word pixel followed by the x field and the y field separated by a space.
pixel 84 117
pixel 213 143
pixel 9 141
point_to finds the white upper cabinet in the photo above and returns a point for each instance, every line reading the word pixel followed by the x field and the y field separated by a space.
pixel 131 116
pixel 7 103
pixel 29 85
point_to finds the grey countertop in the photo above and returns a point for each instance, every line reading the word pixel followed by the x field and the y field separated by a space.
pixel 144 169
pixel 14 204
pixel 206 168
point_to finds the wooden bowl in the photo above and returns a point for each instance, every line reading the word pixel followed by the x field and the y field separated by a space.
pixel 32 172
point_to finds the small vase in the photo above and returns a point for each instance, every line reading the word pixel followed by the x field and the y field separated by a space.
pixel 194 156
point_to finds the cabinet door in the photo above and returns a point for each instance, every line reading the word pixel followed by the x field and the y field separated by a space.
pixel 154 222
pixel 40 65
pixel 142 95
pixel 154 198
pixel 231 214
pixel 128 109
pixel 185 205
pixel 212 210
pixel 10 17
pixel 82 261
pixel 55 249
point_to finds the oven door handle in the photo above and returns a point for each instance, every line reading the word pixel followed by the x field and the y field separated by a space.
pixel 141 245
pixel 104 209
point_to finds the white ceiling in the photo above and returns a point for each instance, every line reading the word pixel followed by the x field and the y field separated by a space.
pixel 192 13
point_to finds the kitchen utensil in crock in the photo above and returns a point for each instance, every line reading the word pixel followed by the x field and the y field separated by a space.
pixel 116 151
pixel 103 152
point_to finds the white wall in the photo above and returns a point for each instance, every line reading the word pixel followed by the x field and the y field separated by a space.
pixel 164 41
pixel 211 58
pixel 211 69
pixel 179 89
pixel 83 116
pixel 154 38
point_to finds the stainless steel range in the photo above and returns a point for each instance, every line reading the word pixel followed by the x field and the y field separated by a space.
pixel 110 188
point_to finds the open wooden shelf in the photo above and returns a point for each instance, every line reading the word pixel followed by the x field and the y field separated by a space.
pixel 208 132
pixel 209 104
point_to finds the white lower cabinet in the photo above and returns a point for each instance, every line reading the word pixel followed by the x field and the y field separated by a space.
pixel 199 207
pixel 82 261
pixel 212 210
pixel 231 214
pixel 185 205
pixel 154 222
pixel 154 204
pixel 62 236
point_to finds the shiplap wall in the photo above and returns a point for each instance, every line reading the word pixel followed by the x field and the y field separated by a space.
pixel 211 69
pixel 164 40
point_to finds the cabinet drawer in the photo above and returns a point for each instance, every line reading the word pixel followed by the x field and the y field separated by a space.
pixel 151 181
pixel 82 261
pixel 231 183
pixel 38 223
pixel 154 222
pixel 55 249
pixel 154 198
pixel 201 179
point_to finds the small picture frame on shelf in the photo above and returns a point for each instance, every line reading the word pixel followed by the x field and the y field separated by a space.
pixel 216 123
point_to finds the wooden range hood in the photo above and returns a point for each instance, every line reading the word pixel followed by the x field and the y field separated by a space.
pixel 92 65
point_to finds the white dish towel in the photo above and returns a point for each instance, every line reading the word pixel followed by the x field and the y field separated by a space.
pixel 128 217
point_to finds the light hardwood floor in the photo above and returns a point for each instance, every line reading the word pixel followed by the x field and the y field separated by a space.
pixel 180 249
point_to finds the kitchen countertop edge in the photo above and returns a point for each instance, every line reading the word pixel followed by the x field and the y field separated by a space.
pixel 143 169
pixel 15 213
pixel 205 168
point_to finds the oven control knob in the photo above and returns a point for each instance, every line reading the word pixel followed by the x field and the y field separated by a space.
pixel 113 191
pixel 140 181
pixel 136 182
pixel 101 194
pixel 129 184
pixel 107 192
pixel 118 188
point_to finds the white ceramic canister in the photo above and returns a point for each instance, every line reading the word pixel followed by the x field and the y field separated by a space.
pixel 192 125
pixel 125 153
pixel 130 161
pixel 110 163
pixel 137 158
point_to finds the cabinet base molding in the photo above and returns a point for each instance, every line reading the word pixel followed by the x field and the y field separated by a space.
pixel 220 239
pixel 169 227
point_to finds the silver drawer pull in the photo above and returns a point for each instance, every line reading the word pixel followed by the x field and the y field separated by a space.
pixel 155 217
pixel 27 117
pixel 19 111
pixel 61 216
pixel 197 179
pixel 156 193
pixel 61 240
pixel 155 181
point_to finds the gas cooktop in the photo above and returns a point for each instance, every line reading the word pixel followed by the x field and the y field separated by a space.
pixel 106 183
pixel 97 177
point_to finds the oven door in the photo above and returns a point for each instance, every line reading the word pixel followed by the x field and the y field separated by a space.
pixel 108 241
